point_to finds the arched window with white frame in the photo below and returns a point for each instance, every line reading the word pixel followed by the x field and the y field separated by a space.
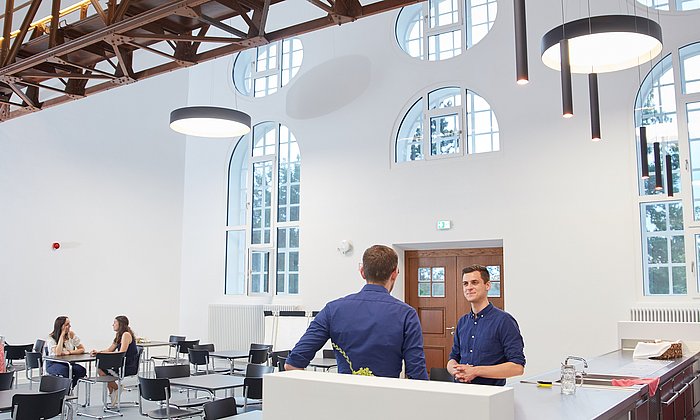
pixel 262 229
pixel 263 70
pixel 676 5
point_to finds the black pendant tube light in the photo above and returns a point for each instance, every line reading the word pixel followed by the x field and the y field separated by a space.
pixel 644 153
pixel 595 107
pixel 669 176
pixel 566 94
pixel 657 166
pixel 521 68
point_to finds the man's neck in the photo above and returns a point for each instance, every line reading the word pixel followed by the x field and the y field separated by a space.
pixel 479 306
pixel 384 285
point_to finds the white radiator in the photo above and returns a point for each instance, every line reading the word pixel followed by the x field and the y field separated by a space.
pixel 665 314
pixel 234 327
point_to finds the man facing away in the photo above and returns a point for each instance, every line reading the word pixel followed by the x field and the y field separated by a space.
pixel 374 329
pixel 488 347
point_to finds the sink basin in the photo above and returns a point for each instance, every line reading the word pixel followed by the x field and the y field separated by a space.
pixel 602 379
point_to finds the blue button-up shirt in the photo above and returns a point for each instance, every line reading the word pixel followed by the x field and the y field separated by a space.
pixel 374 329
pixel 488 338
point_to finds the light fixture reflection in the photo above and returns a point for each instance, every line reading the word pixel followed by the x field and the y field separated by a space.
pixel 210 121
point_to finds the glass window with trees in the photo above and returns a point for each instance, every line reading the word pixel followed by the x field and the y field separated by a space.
pixel 458 121
pixel 441 29
pixel 262 246
pixel 263 70
pixel 670 223
pixel 678 5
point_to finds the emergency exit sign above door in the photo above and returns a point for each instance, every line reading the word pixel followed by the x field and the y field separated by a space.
pixel 444 224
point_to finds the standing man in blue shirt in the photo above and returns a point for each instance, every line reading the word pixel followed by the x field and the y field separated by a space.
pixel 375 330
pixel 488 347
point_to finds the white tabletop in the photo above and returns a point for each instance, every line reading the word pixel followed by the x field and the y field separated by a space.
pixel 209 382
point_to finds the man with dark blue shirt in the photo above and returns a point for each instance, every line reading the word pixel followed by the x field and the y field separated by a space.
pixel 373 329
pixel 488 347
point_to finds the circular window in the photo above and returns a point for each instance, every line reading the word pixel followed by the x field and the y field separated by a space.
pixel 263 70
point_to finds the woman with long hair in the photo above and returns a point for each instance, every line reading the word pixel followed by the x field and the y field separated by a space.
pixel 63 342
pixel 124 341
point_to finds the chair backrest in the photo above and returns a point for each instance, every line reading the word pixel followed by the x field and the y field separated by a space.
pixel 256 346
pixel 51 383
pixel 276 355
pixel 157 389
pixel 207 347
pixel 6 380
pixel 218 409
pixel 32 359
pixel 44 405
pixel 175 338
pixel 39 345
pixel 198 357
pixel 253 388
pixel 328 354
pixel 280 363
pixel 258 356
pixel 111 361
pixel 173 371
pixel 440 374
pixel 184 346
pixel 16 352
pixel 257 371
pixel 139 353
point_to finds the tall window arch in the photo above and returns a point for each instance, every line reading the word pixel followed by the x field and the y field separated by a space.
pixel 446 122
pixel 263 70
pixel 679 5
pixel 441 29
pixel 670 226
pixel 262 227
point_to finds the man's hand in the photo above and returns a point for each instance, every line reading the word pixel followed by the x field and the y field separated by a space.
pixel 465 373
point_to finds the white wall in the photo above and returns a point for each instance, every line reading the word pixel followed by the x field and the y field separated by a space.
pixel 564 207
pixel 103 177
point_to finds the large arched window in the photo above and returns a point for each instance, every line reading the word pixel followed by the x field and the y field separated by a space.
pixel 441 29
pixel 262 226
pixel 263 70
pixel 679 5
pixel 452 117
pixel 670 225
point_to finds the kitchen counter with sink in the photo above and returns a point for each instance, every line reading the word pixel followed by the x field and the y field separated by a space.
pixel 597 398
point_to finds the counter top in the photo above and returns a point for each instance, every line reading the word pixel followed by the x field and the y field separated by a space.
pixel 532 402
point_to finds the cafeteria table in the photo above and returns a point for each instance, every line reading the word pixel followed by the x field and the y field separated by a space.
pixel 146 354
pixel 230 355
pixel 249 415
pixel 324 363
pixel 209 383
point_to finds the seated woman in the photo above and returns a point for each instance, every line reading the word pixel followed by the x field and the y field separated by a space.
pixel 124 341
pixel 63 342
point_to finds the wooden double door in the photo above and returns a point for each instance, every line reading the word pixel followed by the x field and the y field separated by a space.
pixel 434 289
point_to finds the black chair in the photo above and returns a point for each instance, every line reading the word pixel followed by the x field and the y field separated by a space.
pixel 258 356
pixel 275 355
pixel 39 346
pixel 220 409
pixel 158 390
pixel 440 374
pixel 132 385
pixel 6 380
pixel 112 364
pixel 252 384
pixel 44 405
pixel 280 363
pixel 180 371
pixel 328 354
pixel 14 358
pixel 173 340
pixel 50 383
pixel 257 371
pixel 197 358
pixel 210 348
pixel 183 347
pixel 32 360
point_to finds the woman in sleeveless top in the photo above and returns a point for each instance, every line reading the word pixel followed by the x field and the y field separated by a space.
pixel 124 341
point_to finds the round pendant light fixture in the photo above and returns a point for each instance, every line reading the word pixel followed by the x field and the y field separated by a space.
pixel 210 121
pixel 602 44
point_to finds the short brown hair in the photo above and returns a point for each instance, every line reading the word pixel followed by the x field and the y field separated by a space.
pixel 378 262
pixel 485 275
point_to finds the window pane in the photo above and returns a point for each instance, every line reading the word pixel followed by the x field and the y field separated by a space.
pixel 678 249
pixel 259 271
pixel 424 274
pixel 693 115
pixel 664 248
pixel 657 250
pixel 238 183
pixel 438 289
pixel 494 273
pixel 444 135
pixel 697 258
pixel 288 179
pixel 423 289
pixel 658 281
pixel 679 281
pixel 262 186
pixel 482 127
pixel 690 68
pixel 287 260
pixel 235 262
pixel 409 140
pixel 655 217
pixel 438 273
pixel 495 290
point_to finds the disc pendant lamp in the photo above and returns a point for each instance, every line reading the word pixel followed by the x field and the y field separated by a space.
pixel 210 121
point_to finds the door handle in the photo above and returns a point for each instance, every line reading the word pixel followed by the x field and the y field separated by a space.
pixel 451 330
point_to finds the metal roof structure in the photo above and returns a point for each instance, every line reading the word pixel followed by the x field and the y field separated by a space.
pixel 49 61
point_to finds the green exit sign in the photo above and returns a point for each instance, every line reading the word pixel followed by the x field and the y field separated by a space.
pixel 444 224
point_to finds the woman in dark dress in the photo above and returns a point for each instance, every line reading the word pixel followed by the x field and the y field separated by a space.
pixel 124 341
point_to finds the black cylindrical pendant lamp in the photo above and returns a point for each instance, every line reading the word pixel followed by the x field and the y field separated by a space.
pixel 595 108
pixel 657 166
pixel 566 94
pixel 643 152
pixel 669 176
pixel 522 75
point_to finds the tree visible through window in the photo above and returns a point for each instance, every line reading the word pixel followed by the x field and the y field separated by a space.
pixel 263 213
pixel 263 70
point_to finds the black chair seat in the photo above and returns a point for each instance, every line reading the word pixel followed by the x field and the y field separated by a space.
pixel 162 413
pixel 192 402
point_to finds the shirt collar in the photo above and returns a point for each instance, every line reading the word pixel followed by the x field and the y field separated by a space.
pixel 483 312
pixel 374 288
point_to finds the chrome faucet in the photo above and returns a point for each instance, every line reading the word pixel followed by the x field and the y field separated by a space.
pixel 585 364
